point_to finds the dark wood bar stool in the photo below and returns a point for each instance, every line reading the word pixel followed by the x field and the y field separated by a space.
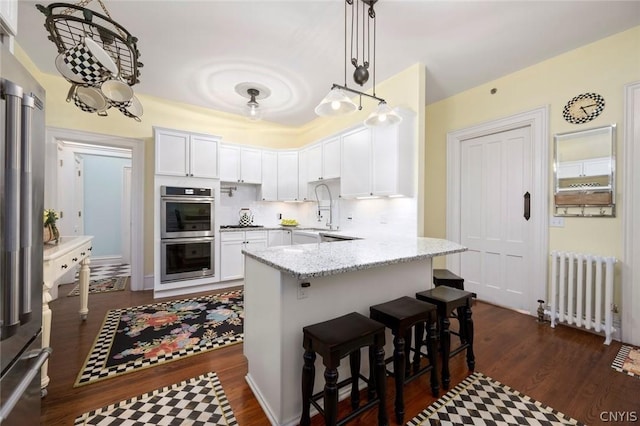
pixel 401 315
pixel 448 299
pixel 448 278
pixel 333 340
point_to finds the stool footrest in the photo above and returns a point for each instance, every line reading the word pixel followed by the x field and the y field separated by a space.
pixel 370 403
pixel 458 349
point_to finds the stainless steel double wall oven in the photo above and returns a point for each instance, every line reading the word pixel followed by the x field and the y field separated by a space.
pixel 187 220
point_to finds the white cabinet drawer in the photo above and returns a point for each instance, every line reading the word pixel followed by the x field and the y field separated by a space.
pixel 256 235
pixel 232 236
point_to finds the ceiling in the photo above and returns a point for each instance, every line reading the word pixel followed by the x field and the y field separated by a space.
pixel 196 52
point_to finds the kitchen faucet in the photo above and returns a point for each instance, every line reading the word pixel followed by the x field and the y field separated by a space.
pixel 330 208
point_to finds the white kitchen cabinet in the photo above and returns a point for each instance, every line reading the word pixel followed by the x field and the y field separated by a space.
pixel 379 161
pixel 9 17
pixel 355 179
pixel 279 237
pixel 269 176
pixel 274 238
pixel 584 168
pixel 303 182
pixel 323 160
pixel 181 153
pixel 239 164
pixel 287 175
pixel 231 246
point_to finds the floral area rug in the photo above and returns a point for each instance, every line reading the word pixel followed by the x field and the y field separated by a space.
pixel 480 400
pixel 627 361
pixel 103 286
pixel 145 336
pixel 197 401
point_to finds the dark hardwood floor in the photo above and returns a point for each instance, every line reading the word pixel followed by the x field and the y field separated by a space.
pixel 565 368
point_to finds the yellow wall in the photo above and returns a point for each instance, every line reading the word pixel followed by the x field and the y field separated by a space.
pixel 603 67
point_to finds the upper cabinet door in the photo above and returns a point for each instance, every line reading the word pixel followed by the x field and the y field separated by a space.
pixel 314 163
pixel 9 17
pixel 250 165
pixel 331 158
pixel 172 152
pixel 355 179
pixel 269 176
pixel 229 169
pixel 288 176
pixel 204 156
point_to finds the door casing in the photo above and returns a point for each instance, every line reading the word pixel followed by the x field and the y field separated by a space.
pixel 537 121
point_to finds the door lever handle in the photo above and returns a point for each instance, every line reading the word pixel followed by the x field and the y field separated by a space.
pixel 527 205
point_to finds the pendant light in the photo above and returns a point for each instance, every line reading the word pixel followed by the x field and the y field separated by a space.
pixel 337 102
pixel 383 116
pixel 252 110
pixel 254 92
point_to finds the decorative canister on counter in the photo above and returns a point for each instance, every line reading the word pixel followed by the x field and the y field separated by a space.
pixel 246 217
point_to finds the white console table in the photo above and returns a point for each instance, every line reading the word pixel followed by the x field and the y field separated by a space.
pixel 58 260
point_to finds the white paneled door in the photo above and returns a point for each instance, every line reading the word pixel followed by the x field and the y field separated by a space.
pixel 495 178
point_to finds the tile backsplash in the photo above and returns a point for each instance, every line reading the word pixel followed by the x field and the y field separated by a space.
pixel 386 216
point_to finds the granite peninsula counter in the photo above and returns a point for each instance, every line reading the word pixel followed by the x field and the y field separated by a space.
pixel 289 287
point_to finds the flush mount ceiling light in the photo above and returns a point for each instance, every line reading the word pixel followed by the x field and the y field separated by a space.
pixel 94 50
pixel 337 102
pixel 253 91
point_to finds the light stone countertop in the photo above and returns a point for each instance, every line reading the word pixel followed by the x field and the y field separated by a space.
pixel 306 261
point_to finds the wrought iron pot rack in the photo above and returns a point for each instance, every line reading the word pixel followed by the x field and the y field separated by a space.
pixel 69 24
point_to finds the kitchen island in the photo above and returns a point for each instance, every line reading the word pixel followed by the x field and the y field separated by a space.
pixel 289 287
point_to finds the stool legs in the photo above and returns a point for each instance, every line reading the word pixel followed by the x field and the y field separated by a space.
pixel 432 345
pixel 330 396
pixel 381 385
pixel 308 376
pixel 354 363
pixel 471 359
pixel 418 337
pixel 398 371
pixel 445 342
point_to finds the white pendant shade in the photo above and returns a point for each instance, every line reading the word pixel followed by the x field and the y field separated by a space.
pixel 383 116
pixel 335 103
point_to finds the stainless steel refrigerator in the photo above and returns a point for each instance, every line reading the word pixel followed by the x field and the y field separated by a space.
pixel 22 133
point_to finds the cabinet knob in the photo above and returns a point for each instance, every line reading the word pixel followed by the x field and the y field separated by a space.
pixel 75 259
pixel 64 266
pixel 242 180
pixel 371 193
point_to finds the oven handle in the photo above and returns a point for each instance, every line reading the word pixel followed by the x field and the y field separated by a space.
pixel 187 240
pixel 207 199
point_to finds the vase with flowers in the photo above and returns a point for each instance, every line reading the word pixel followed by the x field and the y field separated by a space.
pixel 51 234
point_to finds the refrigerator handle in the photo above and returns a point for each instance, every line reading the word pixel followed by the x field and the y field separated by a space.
pixel 26 212
pixel 10 268
pixel 33 371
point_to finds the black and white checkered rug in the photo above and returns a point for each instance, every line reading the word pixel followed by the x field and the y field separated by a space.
pixel 197 401
pixel 480 400
pixel 107 271
pixel 627 361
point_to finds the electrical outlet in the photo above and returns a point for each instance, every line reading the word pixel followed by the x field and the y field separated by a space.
pixel 303 290
pixel 557 222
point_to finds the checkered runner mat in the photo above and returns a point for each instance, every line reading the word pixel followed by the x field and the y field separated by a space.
pixel 198 401
pixel 480 400
pixel 627 361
